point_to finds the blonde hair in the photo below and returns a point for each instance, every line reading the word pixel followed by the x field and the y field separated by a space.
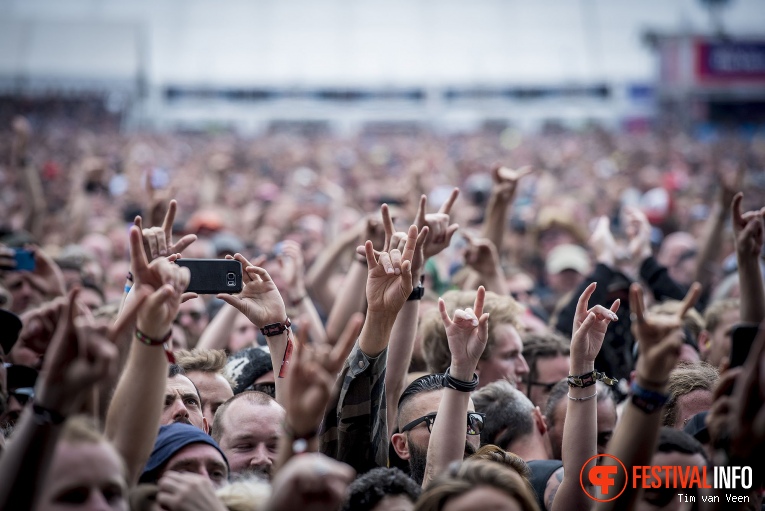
pixel 460 479
pixel 684 379
pixel 503 310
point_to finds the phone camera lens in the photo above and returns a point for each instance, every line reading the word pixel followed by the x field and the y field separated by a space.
pixel 231 276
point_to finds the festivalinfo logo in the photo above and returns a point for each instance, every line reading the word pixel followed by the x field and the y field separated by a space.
pixel 604 483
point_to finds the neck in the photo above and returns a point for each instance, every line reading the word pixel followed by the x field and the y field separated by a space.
pixel 530 447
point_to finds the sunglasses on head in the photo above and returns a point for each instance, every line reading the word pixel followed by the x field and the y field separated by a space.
pixel 475 422
pixel 23 395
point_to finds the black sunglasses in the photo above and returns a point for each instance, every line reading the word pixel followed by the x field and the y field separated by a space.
pixel 474 423
pixel 23 395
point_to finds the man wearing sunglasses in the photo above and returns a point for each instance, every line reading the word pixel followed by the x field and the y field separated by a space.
pixel 417 410
pixel 21 383
pixel 547 355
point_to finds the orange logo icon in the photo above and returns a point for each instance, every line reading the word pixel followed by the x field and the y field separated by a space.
pixel 603 477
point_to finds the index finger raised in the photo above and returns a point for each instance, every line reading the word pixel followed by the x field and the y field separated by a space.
pixel 446 207
pixel 167 224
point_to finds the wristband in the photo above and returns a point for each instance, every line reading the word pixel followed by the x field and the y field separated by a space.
pixel 416 294
pixel 459 385
pixel 588 379
pixel 572 398
pixel 127 289
pixel 130 276
pixel 44 415
pixel 164 342
pixel 276 328
pixel 646 400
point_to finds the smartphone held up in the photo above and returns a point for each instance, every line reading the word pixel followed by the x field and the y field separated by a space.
pixel 213 276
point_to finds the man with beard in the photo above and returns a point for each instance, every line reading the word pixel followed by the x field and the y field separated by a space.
pixel 417 409
pixel 248 428
pixel 182 401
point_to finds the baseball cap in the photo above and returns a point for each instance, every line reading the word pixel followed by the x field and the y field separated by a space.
pixel 568 257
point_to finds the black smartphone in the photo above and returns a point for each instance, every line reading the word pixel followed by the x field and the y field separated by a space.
pixel 213 276
pixel 741 339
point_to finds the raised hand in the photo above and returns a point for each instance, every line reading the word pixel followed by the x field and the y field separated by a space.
pixel 481 255
pixel 389 281
pixel 659 336
pixel 747 228
pixel 467 334
pixel 602 242
pixel 746 422
pixel 187 491
pixel 441 231
pixel 47 276
pixel 260 300
pixel 312 376
pixel 82 353
pixel 506 180
pixel 638 231
pixel 158 241
pixel 590 326
pixel 163 280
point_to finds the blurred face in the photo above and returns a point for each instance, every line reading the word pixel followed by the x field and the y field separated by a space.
pixel 565 281
pixel 690 404
pixel 214 390
pixel 666 498
pixel 24 295
pixel 84 476
pixel 506 361
pixel 192 316
pixel 182 403
pixel 606 421
pixel 202 459
pixel 89 298
pixel 718 344
pixel 243 335
pixel 250 436
pixel 550 370
pixel 483 497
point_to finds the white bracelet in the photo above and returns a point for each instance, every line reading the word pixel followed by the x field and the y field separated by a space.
pixel 572 398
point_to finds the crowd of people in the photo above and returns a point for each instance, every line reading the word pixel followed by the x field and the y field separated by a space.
pixel 427 322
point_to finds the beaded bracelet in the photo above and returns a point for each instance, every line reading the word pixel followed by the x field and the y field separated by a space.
pixel 164 342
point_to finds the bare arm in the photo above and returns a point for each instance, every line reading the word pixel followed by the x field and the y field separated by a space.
pixel 132 420
pixel 467 334
pixel 580 429
pixel 81 354
pixel 317 278
pixel 712 238
pixel 748 231
pixel 261 302
pixel 502 195
pixel 660 339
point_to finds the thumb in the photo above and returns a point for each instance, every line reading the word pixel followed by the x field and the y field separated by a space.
pixel 232 300
pixel 159 297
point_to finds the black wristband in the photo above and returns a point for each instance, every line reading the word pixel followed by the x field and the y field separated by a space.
pixel 647 401
pixel 416 294
pixel 459 385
